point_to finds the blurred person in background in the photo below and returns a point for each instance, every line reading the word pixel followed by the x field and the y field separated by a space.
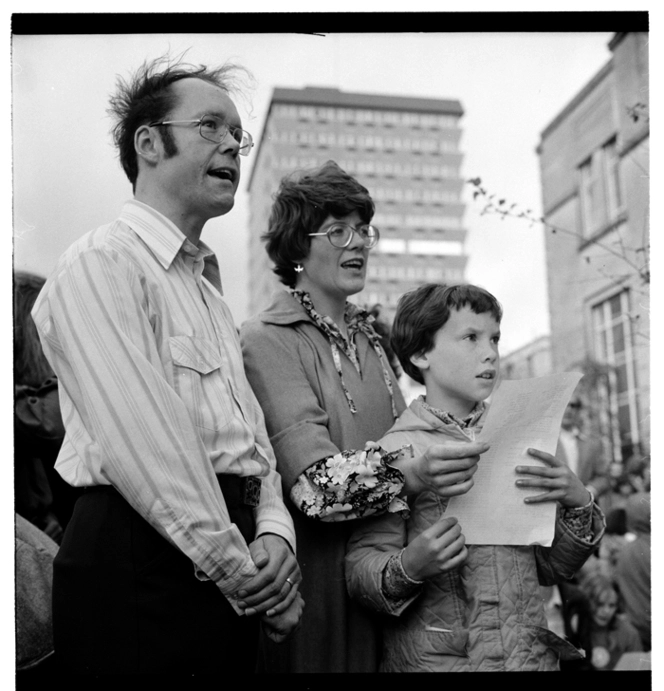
pixel 597 626
pixel 633 567
pixel 583 452
pixel 630 479
pixel 41 495
pixel 34 554
pixel 635 477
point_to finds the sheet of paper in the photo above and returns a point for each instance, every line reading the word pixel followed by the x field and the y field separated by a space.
pixel 524 413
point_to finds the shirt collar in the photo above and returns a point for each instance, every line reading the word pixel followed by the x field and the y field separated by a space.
pixel 166 240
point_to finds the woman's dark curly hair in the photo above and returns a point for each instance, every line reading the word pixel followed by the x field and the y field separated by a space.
pixel 301 205
pixel 147 97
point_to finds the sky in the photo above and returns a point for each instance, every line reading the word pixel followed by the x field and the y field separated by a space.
pixel 67 178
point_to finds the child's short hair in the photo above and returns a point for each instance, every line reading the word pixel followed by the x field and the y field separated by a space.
pixel 425 310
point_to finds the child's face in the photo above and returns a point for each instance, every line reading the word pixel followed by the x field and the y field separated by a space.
pixel 463 365
pixel 604 608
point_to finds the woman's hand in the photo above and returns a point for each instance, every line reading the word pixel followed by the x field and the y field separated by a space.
pixel 439 548
pixel 558 481
pixel 446 469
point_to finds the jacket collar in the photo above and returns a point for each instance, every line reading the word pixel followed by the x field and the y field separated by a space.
pixel 416 418
pixel 285 309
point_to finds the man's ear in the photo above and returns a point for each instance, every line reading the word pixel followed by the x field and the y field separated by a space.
pixel 147 144
pixel 421 361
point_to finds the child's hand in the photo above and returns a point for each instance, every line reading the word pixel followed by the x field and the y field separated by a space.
pixel 439 548
pixel 560 483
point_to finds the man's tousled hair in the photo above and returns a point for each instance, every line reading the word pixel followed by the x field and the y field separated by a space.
pixel 146 97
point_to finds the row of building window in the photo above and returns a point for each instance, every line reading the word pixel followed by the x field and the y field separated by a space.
pixel 429 145
pixel 364 116
pixel 414 195
pixel 409 170
pixel 413 273
pixel 411 221
pixel 440 248
pixel 415 171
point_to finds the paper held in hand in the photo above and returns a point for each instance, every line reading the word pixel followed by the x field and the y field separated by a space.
pixel 524 413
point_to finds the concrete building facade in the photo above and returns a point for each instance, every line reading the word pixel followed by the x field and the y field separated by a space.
pixel 594 163
pixel 530 360
pixel 404 150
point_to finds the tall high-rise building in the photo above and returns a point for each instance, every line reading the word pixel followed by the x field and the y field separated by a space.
pixel 404 150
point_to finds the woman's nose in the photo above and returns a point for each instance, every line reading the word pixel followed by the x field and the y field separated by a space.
pixel 356 241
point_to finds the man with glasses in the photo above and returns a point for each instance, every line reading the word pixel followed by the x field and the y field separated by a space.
pixel 181 543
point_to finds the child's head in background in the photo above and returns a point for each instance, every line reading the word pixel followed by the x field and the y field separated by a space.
pixel 602 600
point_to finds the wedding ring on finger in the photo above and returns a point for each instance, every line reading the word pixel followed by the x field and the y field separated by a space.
pixel 288 580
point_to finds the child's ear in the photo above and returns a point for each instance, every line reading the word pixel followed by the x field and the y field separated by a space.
pixel 421 361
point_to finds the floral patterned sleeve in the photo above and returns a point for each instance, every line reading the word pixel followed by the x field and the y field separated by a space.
pixel 351 484
pixel 580 520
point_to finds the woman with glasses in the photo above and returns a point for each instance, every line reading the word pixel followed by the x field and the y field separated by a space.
pixel 324 382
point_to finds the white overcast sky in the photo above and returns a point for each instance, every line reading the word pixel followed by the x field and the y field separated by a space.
pixel 67 179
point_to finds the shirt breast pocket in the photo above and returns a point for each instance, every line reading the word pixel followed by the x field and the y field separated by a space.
pixel 198 380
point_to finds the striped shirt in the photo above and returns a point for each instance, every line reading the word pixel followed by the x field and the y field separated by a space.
pixel 153 392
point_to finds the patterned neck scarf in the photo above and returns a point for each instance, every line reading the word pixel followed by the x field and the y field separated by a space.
pixel 357 320
pixel 469 421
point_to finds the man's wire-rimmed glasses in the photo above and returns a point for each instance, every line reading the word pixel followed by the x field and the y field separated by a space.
pixel 341 234
pixel 214 129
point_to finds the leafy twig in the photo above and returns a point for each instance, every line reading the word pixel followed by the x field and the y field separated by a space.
pixel 504 210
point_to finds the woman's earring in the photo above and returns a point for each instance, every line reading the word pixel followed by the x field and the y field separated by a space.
pixel 299 268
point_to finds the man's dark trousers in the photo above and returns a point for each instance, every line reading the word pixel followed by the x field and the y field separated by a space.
pixel 126 601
